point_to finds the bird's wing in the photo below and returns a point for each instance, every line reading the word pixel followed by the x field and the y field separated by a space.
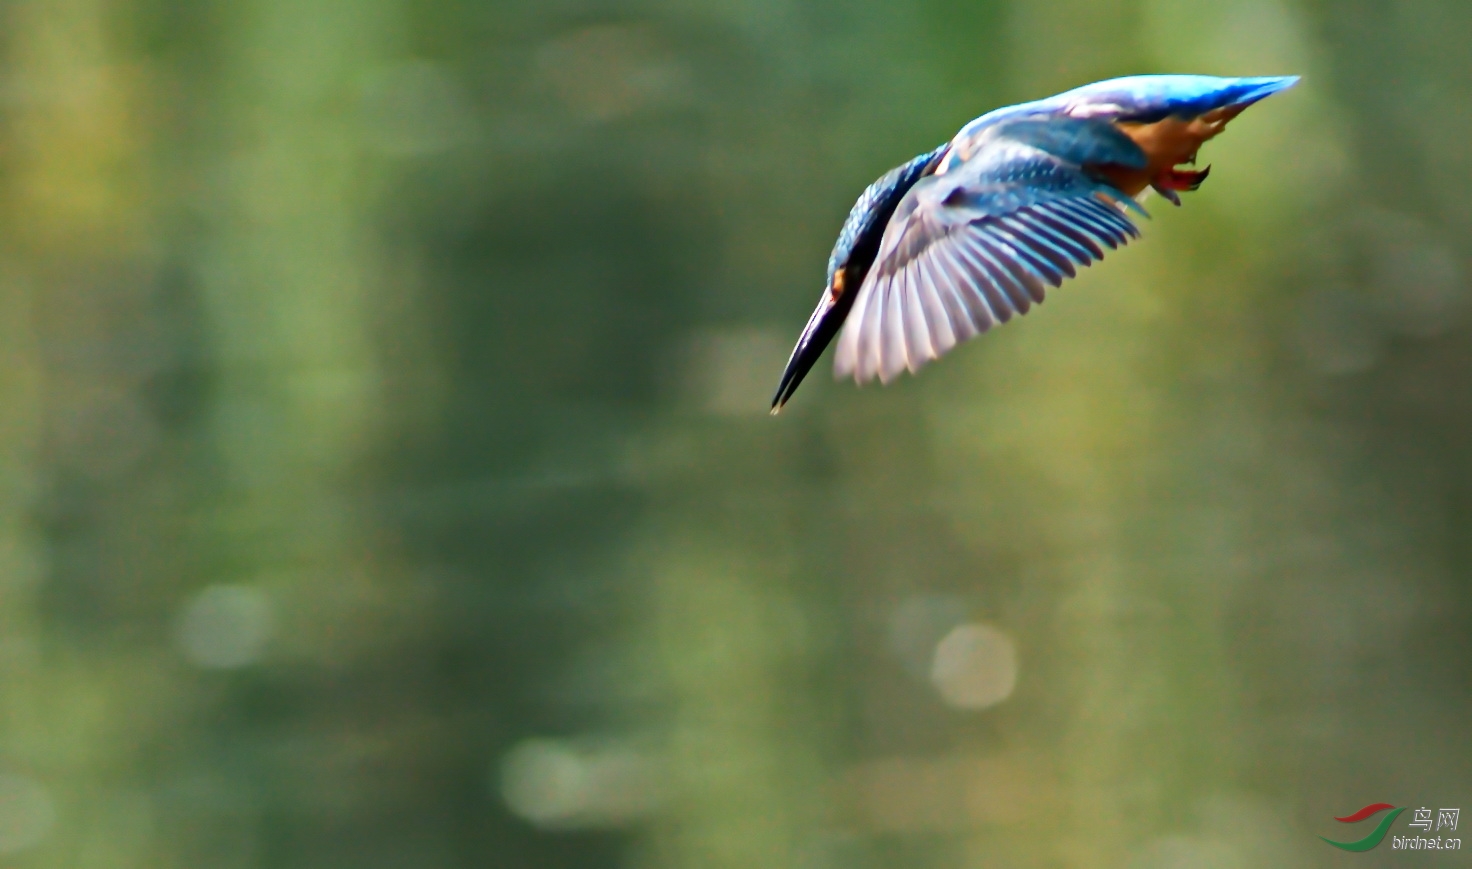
pixel 969 249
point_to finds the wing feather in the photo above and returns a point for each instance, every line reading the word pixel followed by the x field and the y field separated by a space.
pixel 917 321
pixel 972 248
pixel 998 281
pixel 965 289
pixel 892 359
pixel 1033 277
pixel 1022 250
pixel 1076 234
pixel 1069 242
pixel 873 345
pixel 1089 219
pixel 942 335
pixel 958 314
pixel 1037 243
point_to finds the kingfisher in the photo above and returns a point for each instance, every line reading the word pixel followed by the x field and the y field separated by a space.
pixel 967 236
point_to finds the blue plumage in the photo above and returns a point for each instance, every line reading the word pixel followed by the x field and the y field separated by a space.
pixel 1149 98
pixel 875 205
pixel 1145 98
pixel 964 237
pixel 1077 140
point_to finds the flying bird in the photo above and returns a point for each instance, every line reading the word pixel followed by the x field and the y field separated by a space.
pixel 964 237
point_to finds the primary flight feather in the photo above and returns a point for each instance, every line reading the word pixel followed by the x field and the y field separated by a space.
pixel 962 238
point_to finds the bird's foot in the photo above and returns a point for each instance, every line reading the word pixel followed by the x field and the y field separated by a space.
pixel 1181 179
pixel 1170 180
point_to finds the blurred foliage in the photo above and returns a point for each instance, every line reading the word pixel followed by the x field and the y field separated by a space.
pixel 385 478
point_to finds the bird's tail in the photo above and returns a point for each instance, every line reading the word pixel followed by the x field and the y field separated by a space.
pixel 1250 90
pixel 1236 94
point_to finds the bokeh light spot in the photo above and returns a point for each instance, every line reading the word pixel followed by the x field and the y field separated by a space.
pixel 558 784
pixel 975 666
pixel 225 627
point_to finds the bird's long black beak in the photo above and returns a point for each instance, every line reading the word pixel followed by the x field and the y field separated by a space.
pixel 822 326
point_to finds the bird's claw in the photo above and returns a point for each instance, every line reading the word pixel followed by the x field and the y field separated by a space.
pixel 1171 180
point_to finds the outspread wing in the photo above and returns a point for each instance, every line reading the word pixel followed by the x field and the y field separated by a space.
pixel 976 246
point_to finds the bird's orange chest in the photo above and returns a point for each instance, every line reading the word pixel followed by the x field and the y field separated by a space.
pixel 1166 143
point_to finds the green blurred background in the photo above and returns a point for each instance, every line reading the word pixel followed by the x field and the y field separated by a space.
pixel 385 477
